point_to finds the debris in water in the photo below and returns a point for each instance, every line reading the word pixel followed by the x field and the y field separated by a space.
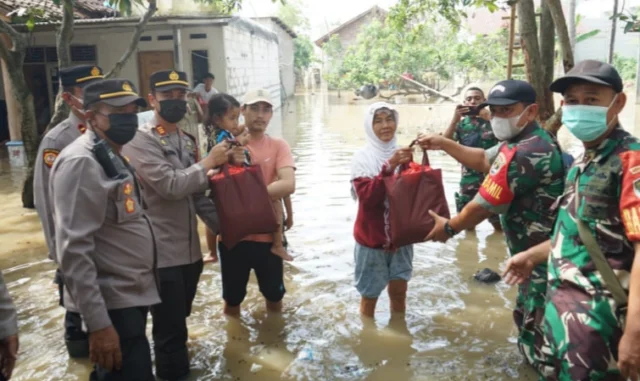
pixel 487 276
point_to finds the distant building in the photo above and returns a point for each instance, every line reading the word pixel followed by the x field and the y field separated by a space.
pixel 348 32
pixel 240 52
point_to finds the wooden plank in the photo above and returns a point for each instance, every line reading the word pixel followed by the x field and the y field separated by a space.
pixel 509 17
pixel 514 66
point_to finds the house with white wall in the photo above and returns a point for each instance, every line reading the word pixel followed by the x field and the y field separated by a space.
pixel 241 53
pixel 286 49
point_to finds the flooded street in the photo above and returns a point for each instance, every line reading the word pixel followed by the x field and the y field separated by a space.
pixel 455 328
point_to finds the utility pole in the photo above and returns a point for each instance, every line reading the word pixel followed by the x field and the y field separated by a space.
pixel 572 24
pixel 614 26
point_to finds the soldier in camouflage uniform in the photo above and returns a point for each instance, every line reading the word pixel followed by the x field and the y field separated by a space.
pixel 598 213
pixel 472 129
pixel 525 176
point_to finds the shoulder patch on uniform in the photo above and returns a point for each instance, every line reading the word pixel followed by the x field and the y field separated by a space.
pixel 630 194
pixel 500 161
pixel 49 156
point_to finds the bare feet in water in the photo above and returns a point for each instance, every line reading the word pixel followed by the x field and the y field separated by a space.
pixel 281 252
pixel 212 257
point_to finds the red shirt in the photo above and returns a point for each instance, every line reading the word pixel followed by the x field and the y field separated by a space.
pixel 371 225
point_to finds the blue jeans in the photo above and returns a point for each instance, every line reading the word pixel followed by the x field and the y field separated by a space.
pixel 375 268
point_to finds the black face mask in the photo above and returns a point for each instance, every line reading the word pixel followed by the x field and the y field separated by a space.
pixel 123 128
pixel 173 110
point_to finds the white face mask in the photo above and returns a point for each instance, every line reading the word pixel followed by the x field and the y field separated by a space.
pixel 506 128
pixel 81 101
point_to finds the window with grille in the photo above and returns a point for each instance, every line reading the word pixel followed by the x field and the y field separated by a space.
pixel 199 65
pixel 83 53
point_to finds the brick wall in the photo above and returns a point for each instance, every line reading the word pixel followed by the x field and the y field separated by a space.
pixel 252 61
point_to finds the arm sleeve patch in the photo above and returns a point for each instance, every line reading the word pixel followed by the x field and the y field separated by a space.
pixel 49 157
pixel 495 189
pixel 630 194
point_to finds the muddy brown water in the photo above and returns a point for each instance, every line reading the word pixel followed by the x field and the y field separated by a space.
pixel 455 328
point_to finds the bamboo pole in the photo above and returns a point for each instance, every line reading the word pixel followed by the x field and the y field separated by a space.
pixel 512 36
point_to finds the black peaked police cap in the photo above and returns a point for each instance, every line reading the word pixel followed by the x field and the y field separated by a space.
pixel 114 92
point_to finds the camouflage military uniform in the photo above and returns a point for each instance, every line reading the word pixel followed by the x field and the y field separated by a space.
pixel 582 321
pixel 475 133
pixel 525 180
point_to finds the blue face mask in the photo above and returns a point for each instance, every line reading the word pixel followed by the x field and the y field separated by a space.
pixel 587 123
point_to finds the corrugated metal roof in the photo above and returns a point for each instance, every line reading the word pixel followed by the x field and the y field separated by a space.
pixel 83 8
pixel 114 21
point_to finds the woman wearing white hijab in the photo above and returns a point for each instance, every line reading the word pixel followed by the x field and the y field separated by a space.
pixel 377 263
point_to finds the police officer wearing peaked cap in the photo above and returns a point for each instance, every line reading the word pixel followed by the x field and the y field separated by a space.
pixel 105 243
pixel 174 180
pixel 73 81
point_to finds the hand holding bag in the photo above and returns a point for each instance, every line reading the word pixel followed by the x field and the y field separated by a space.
pixel 411 193
pixel 243 203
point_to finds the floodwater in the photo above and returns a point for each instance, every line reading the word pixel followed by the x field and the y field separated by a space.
pixel 454 329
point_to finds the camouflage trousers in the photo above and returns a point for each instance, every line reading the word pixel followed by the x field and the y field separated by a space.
pixel 466 194
pixel 583 332
pixel 528 317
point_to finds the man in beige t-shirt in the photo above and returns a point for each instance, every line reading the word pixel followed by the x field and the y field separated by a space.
pixel 254 252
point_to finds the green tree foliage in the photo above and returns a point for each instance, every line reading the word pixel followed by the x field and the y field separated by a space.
pixel 303 53
pixel 627 67
pixel 291 13
pixel 382 53
pixel 407 12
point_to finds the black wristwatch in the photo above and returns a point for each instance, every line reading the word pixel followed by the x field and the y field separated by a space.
pixel 449 230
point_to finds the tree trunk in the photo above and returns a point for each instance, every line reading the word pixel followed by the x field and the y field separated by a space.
pixel 14 59
pixel 547 54
pixel 614 25
pixel 531 52
pixel 26 111
pixel 560 22
pixel 572 24
pixel 64 35
pixel 135 39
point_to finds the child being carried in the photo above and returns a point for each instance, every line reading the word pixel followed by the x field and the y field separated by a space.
pixel 223 125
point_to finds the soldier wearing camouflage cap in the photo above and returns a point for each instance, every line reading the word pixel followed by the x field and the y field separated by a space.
pixel 525 175
pixel 594 269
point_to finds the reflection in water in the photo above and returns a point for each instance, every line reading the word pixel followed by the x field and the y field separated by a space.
pixel 454 329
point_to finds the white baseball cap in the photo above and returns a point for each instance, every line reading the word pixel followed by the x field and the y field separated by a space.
pixel 254 96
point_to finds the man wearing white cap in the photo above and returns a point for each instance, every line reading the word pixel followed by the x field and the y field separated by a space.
pixel 254 252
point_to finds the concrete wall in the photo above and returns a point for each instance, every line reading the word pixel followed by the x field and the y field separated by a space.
pixel 112 41
pixel 252 61
pixel 286 50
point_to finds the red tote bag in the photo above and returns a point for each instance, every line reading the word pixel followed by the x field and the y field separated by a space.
pixel 411 193
pixel 243 204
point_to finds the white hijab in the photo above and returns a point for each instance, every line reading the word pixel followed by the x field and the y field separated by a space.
pixel 369 160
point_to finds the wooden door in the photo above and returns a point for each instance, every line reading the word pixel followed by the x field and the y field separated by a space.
pixel 149 63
